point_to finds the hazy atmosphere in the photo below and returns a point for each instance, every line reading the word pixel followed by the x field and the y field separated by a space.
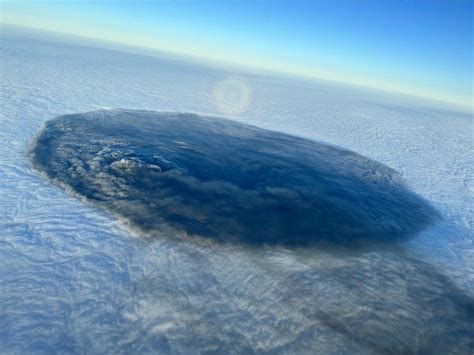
pixel 415 47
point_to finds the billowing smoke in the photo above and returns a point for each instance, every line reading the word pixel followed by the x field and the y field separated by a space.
pixel 215 178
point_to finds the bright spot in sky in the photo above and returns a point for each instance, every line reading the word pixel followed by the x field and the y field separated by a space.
pixel 232 96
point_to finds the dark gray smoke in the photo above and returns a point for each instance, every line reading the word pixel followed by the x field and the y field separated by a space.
pixel 224 180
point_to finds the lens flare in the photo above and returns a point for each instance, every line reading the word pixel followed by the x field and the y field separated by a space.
pixel 232 96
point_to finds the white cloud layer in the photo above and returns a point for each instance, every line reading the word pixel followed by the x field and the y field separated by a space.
pixel 72 279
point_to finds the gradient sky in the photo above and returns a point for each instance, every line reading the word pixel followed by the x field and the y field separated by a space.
pixel 417 47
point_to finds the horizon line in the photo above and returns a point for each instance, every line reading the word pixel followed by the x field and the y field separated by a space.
pixel 128 47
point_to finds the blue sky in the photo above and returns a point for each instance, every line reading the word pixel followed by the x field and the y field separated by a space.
pixel 418 47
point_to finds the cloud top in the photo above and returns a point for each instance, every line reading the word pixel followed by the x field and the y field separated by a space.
pixel 219 179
